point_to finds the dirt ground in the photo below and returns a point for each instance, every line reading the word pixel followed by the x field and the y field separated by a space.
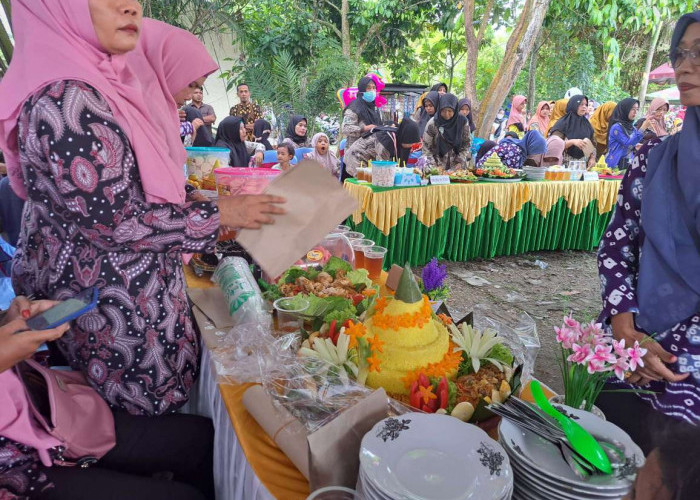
pixel 508 286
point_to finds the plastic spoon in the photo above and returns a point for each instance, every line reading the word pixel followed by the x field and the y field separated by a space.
pixel 581 440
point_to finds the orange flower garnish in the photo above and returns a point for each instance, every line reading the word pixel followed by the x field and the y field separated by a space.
pixel 355 331
pixel 418 319
pixel 379 305
pixel 374 364
pixel 376 344
pixel 369 292
pixel 446 320
pixel 447 365
pixel 426 393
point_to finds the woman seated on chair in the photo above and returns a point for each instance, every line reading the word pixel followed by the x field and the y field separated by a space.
pixel 231 135
pixel 623 135
pixel 576 131
pixel 514 152
pixel 447 137
pixel 323 155
pixel 262 130
pixel 517 121
pixel 360 118
pixel 296 132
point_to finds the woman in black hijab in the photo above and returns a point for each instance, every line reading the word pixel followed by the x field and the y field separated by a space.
pixel 440 88
pixel 447 137
pixel 622 134
pixel 398 145
pixel 231 134
pixel 576 131
pixel 202 136
pixel 261 130
pixel 426 110
pixel 296 132
pixel 361 115
pixel 464 106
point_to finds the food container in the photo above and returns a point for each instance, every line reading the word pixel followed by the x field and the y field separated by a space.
pixel 333 245
pixel 576 175
pixel 236 181
pixel 406 177
pixel 383 173
pixel 201 162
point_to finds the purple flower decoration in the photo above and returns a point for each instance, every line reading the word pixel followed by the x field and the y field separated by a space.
pixel 433 275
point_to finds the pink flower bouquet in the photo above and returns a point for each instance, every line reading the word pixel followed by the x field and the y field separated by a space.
pixel 589 358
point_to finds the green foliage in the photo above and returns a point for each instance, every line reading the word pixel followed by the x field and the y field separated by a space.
pixel 196 16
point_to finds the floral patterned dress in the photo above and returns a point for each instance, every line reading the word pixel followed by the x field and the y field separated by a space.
pixel 86 223
pixel 510 154
pixel 618 263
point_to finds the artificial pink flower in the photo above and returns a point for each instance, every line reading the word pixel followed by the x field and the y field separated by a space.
pixel 595 366
pixel 592 331
pixel 571 323
pixel 580 353
pixel 636 353
pixel 619 348
pixel 566 337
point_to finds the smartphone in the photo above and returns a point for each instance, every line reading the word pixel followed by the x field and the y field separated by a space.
pixel 65 311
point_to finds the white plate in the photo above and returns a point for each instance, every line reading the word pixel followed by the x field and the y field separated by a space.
pixel 544 457
pixel 419 456
pixel 514 179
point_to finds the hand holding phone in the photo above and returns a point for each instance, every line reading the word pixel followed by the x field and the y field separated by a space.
pixel 65 311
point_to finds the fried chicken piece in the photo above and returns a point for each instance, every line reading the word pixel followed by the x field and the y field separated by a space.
pixel 306 284
pixel 324 278
pixel 287 289
pixel 342 283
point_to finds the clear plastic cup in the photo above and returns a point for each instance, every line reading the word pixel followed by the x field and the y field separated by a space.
pixel 374 261
pixel 334 493
pixel 288 313
pixel 354 235
pixel 359 246
pixel 342 229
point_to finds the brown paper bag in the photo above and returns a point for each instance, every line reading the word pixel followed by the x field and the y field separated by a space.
pixel 316 204
pixel 212 302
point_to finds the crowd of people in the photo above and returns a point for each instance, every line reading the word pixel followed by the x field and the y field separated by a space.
pixel 89 118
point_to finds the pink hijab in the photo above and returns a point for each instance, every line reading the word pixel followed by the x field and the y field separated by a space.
pixel 67 49
pixel 656 104
pixel 515 115
pixel 539 119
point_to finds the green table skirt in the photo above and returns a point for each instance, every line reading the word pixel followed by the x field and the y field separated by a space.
pixel 451 238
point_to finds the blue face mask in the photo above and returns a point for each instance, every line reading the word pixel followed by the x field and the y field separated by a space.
pixel 369 96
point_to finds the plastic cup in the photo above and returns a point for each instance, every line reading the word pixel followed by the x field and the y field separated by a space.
pixel 288 311
pixel 342 229
pixel 354 235
pixel 359 246
pixel 334 493
pixel 374 261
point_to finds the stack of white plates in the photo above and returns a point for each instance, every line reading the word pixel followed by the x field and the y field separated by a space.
pixel 542 474
pixel 534 173
pixel 418 456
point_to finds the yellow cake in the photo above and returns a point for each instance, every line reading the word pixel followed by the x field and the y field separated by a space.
pixel 406 349
pixel 493 162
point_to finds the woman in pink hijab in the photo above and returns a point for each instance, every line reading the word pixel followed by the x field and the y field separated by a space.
pixel 541 119
pixel 656 115
pixel 87 141
pixel 517 119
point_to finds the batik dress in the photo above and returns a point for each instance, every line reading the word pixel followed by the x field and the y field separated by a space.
pixel 453 159
pixel 618 264
pixel 87 224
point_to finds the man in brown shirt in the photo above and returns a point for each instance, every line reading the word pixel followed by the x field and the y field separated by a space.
pixel 207 111
pixel 246 109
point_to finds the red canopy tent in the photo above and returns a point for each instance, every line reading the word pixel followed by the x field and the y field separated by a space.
pixel 663 74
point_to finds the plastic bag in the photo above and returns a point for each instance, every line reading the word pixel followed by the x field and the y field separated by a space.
pixel 243 295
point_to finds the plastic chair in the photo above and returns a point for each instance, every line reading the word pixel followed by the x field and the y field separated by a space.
pixel 341 148
pixel 269 159
pixel 413 157
pixel 300 152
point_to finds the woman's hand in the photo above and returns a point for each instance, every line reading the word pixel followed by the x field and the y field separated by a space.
pixel 368 128
pixel 22 308
pixel 196 123
pixel 591 162
pixel 258 158
pixel 648 123
pixel 249 211
pixel 182 115
pixel 656 357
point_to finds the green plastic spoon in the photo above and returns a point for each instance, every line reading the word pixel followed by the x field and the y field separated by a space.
pixel 580 439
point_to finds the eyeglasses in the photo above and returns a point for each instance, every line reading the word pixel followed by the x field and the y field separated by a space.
pixel 680 55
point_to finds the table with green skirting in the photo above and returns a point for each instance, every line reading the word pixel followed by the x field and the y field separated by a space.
pixel 460 222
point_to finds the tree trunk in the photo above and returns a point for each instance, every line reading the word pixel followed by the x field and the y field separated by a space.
pixel 519 47
pixel 532 83
pixel 647 67
pixel 345 27
pixel 472 53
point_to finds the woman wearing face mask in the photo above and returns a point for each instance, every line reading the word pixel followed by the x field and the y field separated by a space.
pixel 576 131
pixel 296 132
pixel 426 110
pixel 105 194
pixel 231 134
pixel 447 137
pixel 359 119
pixel 498 129
pixel 623 136
pixel 649 262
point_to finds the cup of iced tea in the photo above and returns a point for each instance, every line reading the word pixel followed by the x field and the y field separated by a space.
pixel 374 261
pixel 289 311
pixel 359 246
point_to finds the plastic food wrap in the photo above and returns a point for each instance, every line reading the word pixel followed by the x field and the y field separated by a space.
pixel 236 181
pixel 201 162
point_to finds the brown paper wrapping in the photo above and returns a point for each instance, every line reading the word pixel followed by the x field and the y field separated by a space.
pixel 285 430
pixel 316 204
pixel 329 456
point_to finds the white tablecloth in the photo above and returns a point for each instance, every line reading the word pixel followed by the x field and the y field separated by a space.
pixel 233 477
